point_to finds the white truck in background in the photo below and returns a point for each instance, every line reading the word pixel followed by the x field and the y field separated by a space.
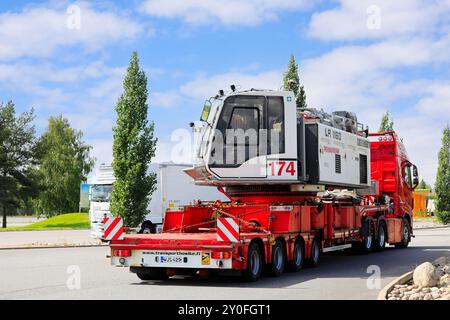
pixel 174 188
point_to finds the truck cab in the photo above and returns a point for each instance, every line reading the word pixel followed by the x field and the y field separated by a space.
pixel 100 199
pixel 394 173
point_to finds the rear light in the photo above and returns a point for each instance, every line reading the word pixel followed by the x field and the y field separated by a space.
pixel 226 255
pixel 121 253
pixel 221 255
pixel 216 255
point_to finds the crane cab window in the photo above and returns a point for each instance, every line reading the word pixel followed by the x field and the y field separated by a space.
pixel 245 119
pixel 237 136
pixel 276 125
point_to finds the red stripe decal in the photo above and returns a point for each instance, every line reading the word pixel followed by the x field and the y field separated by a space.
pixel 118 234
pixel 111 227
pixel 222 235
pixel 230 228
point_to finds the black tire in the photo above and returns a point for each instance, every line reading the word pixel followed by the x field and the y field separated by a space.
pixel 367 244
pixel 316 249
pixel 278 263
pixel 254 263
pixel 147 274
pixel 380 242
pixel 406 236
pixel 147 228
pixel 299 256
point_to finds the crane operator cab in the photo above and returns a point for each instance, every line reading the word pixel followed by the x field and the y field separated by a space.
pixel 259 137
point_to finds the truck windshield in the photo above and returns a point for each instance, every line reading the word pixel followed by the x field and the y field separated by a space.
pixel 101 193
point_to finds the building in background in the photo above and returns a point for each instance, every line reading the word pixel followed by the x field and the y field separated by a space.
pixel 423 203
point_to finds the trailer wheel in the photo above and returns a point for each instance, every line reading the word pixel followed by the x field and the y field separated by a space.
pixel 368 240
pixel 278 258
pixel 299 255
pixel 146 274
pixel 406 236
pixel 147 228
pixel 380 244
pixel 254 263
pixel 315 253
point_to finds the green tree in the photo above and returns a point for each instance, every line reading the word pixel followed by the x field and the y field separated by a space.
pixel 64 163
pixel 291 82
pixel 17 144
pixel 423 185
pixel 387 124
pixel 134 147
pixel 442 186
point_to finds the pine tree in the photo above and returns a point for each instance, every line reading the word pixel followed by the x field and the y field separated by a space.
pixel 387 124
pixel 64 163
pixel 134 147
pixel 442 186
pixel 291 82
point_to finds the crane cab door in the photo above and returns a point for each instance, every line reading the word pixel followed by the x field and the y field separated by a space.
pixel 250 140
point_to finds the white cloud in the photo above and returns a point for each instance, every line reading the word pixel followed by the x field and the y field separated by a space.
pixel 226 12
pixel 101 150
pixel 204 86
pixel 38 31
pixel 353 19
pixel 374 77
pixel 436 102
pixel 165 99
pixel 360 75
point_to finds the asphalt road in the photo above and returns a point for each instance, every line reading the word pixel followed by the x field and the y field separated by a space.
pixel 45 273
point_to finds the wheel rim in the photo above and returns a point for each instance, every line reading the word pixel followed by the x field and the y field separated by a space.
pixel 382 236
pixel 315 252
pixel 278 257
pixel 405 233
pixel 368 242
pixel 254 260
pixel 298 255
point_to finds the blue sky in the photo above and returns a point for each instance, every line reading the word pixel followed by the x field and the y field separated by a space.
pixel 69 58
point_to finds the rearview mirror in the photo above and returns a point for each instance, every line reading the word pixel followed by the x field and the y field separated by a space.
pixel 415 173
pixel 415 182
pixel 415 176
pixel 206 111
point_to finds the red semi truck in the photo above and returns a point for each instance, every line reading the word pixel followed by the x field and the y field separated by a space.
pixel 301 183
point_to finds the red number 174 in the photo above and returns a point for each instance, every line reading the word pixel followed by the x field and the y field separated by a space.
pixel 277 168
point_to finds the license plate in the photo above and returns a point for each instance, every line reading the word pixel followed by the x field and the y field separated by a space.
pixel 177 259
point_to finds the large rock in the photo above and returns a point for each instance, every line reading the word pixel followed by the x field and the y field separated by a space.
pixel 444 280
pixel 442 261
pixel 426 275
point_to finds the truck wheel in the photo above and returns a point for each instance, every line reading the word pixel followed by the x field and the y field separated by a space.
pixel 406 236
pixel 368 240
pixel 380 244
pixel 147 228
pixel 315 253
pixel 299 249
pixel 278 258
pixel 150 273
pixel 254 263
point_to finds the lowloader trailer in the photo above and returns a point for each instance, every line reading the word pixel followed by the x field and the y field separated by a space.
pixel 308 184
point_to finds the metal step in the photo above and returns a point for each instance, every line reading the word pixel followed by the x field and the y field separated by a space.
pixel 338 248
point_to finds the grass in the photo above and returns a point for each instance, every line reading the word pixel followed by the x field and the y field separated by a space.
pixel 428 218
pixel 62 222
